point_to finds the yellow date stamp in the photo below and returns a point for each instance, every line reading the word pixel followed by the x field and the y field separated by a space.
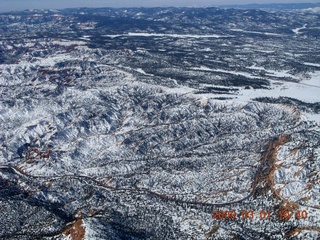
pixel 285 215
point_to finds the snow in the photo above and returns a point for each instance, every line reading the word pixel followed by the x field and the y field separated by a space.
pixel 143 72
pixel 49 61
pixel 254 66
pixel 280 74
pixel 312 116
pixel 297 30
pixel 85 37
pixel 207 50
pixel 180 90
pixel 301 91
pixel 312 64
pixel 298 91
pixel 283 175
pixel 69 43
pixel 203 68
pixel 315 10
pixel 89 231
pixel 307 90
pixel 113 36
pixel 8 47
pixel 314 79
pixel 245 31
pixel 166 35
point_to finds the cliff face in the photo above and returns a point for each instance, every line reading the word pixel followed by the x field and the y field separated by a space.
pixel 102 141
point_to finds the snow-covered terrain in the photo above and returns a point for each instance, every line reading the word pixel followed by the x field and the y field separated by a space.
pixel 142 123
pixel 166 35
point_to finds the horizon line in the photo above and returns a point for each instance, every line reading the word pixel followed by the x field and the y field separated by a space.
pixel 192 6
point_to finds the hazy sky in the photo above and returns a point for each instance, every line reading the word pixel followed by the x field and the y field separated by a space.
pixel 9 5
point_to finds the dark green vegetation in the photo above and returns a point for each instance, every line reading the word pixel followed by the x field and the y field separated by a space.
pixel 302 106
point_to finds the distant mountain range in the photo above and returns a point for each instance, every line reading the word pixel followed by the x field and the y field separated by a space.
pixel 274 6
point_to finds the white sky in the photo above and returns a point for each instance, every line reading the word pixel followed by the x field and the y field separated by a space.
pixel 11 5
